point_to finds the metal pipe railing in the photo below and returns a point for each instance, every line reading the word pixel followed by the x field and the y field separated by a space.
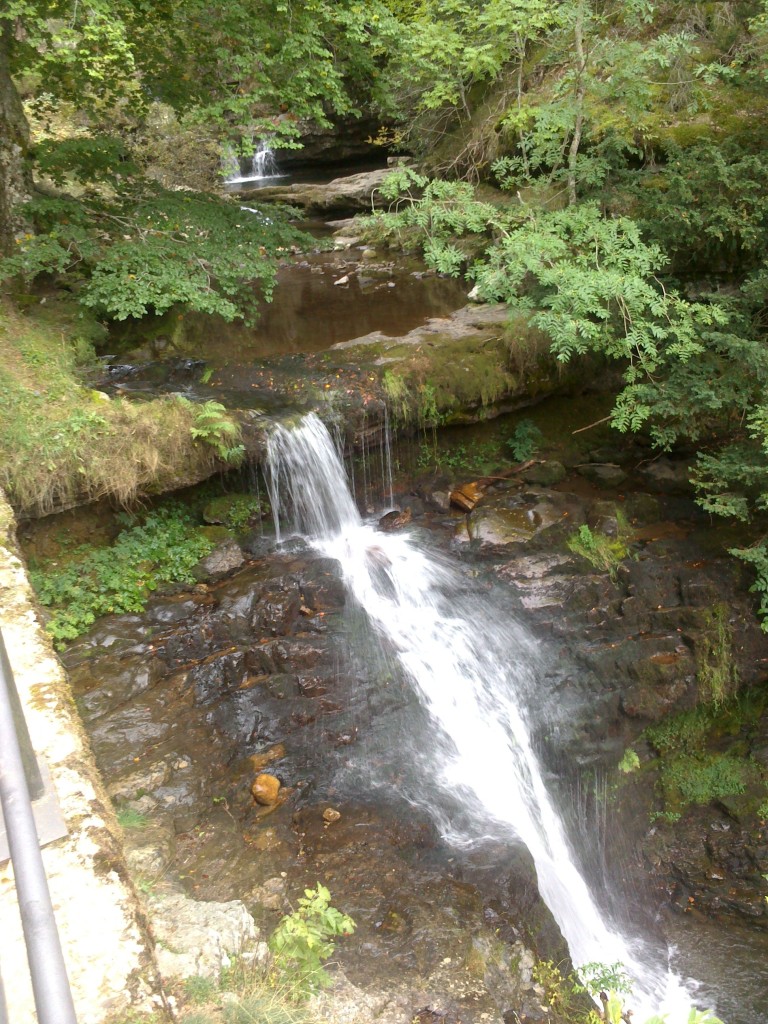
pixel 50 984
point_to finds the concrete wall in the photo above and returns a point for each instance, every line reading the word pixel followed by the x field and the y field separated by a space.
pixel 101 924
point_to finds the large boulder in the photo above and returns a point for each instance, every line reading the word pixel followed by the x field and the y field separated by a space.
pixel 200 939
pixel 353 192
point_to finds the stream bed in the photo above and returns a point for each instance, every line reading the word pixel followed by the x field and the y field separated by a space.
pixel 268 667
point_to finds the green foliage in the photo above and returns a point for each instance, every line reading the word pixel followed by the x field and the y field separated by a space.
pixel 717 673
pixel 160 547
pixel 591 285
pixel 304 939
pixel 603 552
pixel 234 65
pixel 213 426
pixel 564 993
pixel 467 458
pixel 198 989
pixel 689 772
pixel 684 733
pixel 757 557
pixel 707 206
pixel 85 159
pixel 525 441
pixel 629 762
pixel 130 819
pixel 701 779
pixel 398 396
pixel 438 212
pixel 147 250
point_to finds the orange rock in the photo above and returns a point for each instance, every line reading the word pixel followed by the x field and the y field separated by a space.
pixel 265 790
pixel 467 496
pixel 330 814
pixel 259 761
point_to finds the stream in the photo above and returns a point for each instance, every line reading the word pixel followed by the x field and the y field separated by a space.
pixel 456 703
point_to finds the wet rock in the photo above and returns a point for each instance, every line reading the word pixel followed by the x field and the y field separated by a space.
pixel 276 613
pixel 665 683
pixel 265 789
pixel 271 894
pixel 440 499
pixel 355 191
pixel 642 507
pixel 125 678
pixel 499 527
pixel 331 815
pixel 259 761
pixel 217 675
pixel 546 474
pixel 603 474
pixel 150 850
pixel 200 939
pixel 669 476
pixel 396 519
pixel 223 559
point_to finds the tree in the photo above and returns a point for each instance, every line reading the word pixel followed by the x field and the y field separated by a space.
pixel 245 68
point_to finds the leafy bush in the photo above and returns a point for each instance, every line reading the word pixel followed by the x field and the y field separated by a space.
pixel 525 440
pixel 684 733
pixel 162 548
pixel 304 939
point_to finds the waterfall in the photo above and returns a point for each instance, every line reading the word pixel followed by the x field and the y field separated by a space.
pixel 476 679
pixel 263 165
pixel 263 162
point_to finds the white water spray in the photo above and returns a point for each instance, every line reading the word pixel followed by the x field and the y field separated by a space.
pixel 263 165
pixel 475 679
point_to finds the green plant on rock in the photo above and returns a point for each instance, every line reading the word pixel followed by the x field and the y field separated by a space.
pixel 398 394
pixel 303 940
pixel 603 552
pixel 129 818
pixel 213 426
pixel 629 762
pixel 717 672
pixel 690 779
pixel 160 548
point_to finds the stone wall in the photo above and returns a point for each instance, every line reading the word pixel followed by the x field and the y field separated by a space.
pixel 101 924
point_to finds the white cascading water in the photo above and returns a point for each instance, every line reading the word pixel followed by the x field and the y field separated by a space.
pixel 475 679
pixel 263 165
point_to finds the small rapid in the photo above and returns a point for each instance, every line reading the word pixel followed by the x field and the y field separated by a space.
pixel 476 677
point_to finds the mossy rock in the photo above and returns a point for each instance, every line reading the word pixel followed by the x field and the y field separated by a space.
pixel 235 511
pixel 216 534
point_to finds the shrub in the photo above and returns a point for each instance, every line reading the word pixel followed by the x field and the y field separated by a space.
pixel 304 939
pixel 525 440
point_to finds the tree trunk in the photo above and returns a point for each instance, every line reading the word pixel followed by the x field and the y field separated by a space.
pixel 15 175
pixel 581 89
